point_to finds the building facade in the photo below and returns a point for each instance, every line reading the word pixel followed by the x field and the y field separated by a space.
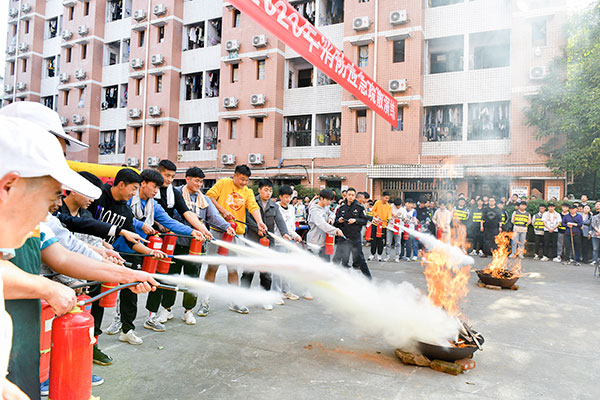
pixel 203 85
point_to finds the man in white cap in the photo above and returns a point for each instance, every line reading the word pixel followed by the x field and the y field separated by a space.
pixel 33 172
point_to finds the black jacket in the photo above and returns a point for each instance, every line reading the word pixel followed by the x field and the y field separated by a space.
pixel 270 216
pixel 85 223
pixel 492 218
pixel 354 210
pixel 107 209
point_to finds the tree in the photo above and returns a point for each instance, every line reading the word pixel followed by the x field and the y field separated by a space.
pixel 566 110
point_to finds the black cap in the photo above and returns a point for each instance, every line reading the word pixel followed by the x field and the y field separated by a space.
pixel 572 206
pixel 551 204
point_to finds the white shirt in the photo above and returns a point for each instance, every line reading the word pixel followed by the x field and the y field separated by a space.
pixel 289 216
pixel 551 221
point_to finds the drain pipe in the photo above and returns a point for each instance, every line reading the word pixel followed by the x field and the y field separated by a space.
pixel 375 79
pixel 14 88
pixel 145 103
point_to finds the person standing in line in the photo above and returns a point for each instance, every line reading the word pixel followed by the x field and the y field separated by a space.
pixel 586 235
pixel 382 213
pixel 490 226
pixel 552 221
pixel 411 247
pixel 520 220
pixel 572 241
pixel 319 226
pixel 362 198
pixel 595 230
pixel 474 229
pixel 538 230
pixel 394 234
pixel 442 219
pixel 560 248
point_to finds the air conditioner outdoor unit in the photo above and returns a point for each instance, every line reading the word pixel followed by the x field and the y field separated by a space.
pixel 228 159
pixel 154 111
pixel 255 158
pixel 66 34
pixel 230 102
pixel 134 113
pixel 11 50
pixel 159 9
pixel 83 30
pixel 26 7
pixel 133 162
pixel 232 45
pixel 21 86
pixel 157 59
pixel 152 161
pixel 259 41
pixel 23 46
pixel 64 121
pixel 398 85
pixel 8 88
pixel 13 12
pixel 80 74
pixel 78 119
pixel 257 99
pixel 360 23
pixel 398 17
pixel 139 15
pixel 537 73
pixel 63 77
pixel 137 63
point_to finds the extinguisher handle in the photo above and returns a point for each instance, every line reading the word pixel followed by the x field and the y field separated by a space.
pixel 140 255
pixel 101 295
pixel 85 284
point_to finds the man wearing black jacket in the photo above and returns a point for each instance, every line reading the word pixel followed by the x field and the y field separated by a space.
pixel 490 225
pixel 350 217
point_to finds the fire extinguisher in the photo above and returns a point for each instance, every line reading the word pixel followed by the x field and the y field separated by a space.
pixel 438 233
pixel 110 300
pixel 405 234
pixel 196 247
pixel 150 263
pixel 227 238
pixel 368 233
pixel 379 229
pixel 84 297
pixel 264 241
pixel 168 247
pixel 329 243
pixel 71 357
pixel 396 226
pixel 46 319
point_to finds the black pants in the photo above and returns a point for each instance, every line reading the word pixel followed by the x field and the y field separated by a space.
pixel 586 246
pixel 539 245
pixel 377 244
pixel 489 243
pixel 347 247
pixel 265 279
pixel 477 239
pixel 128 301
pixel 569 246
pixel 550 244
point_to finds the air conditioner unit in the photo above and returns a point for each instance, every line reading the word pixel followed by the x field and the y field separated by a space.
pixel 139 15
pixel 23 46
pixel 232 45
pixel 134 113
pixel 157 59
pixel 255 158
pixel 78 119
pixel 13 12
pixel 259 41
pixel 8 88
pixel 360 23
pixel 21 86
pixel 398 17
pixel 537 73
pixel 152 161
pixel 26 7
pixel 80 74
pixel 230 102
pixel 159 9
pixel 64 121
pixel 257 99
pixel 83 30
pixel 66 34
pixel 63 77
pixel 133 162
pixel 228 159
pixel 137 63
pixel 11 50
pixel 398 85
pixel 154 111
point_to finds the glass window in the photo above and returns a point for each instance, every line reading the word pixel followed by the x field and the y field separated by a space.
pixel 190 139
pixel 50 70
pixel 363 56
pixel 213 32
pixel 236 18
pixel 48 101
pixel 538 32
pixel 211 135
pixel 193 86
pixel 443 123
pixel 438 3
pixel 323 79
pixel 161 34
pixel 108 143
pixel 114 10
pixel 156 134
pixel 110 97
pixel 490 49
pixel 328 129
pixel 306 8
pixel 68 54
pixel 258 127
pixel 489 121
pixel 158 84
pixel 141 38
pixel 52 27
pixel 83 51
pixel 398 51
pixel 260 70
pixel 112 52
pixel 195 36
pixel 232 129
pixel 332 12
pixel 121 142
pixel 123 95
pixel 400 121
pixel 446 54
pixel 235 69
pixel 298 130
pixel 212 83
pixel 361 121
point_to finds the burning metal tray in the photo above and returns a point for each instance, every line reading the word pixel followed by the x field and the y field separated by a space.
pixel 502 282
pixel 434 352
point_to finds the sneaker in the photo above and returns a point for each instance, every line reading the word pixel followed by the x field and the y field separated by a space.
pixel 371 258
pixel 473 253
pixel 544 258
pixel 414 258
pixel 96 380
pixel 307 296
pixel 577 264
pixel 100 357
pixel 114 327
pixel 379 258
pixel 536 257
pixel 268 307
pixel 386 259
pixel 405 259
pixel 239 309
pixel 130 337
pixel 593 263
pixel 481 253
pixel 291 296
pixel 164 315
pixel 397 259
pixel 521 256
pixel 154 325
pixel 204 309
pixel 45 388
pixel 556 259
pixel 279 302
pixel 188 318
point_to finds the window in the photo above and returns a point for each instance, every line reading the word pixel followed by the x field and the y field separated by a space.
pixel 136 135
pixel 538 32
pixel 79 135
pixel 50 67
pixel 156 134
pixel 298 130
pixel 138 86
pixel 398 51
pixel 211 134
pixel 213 32
pixel 86 8
pixel 193 86
pixel 438 3
pixel 70 11
pixel 300 73
pixel 112 52
pixel 114 10
pixel 125 51
pixel 26 26
pixel 81 102
pixel 52 26
pixel 232 129
pixel 306 8
pixel 445 54
pixel 489 49
pixel 363 56
pixel 443 123
pixel 328 129
pixel 68 54
pixel 158 84
pixel 48 102
pixel 363 1
pixel 323 79
pixel 112 142
pixel 488 121
pixel 190 139
pixel 305 78
pixel 83 51
pixel 141 37
pixel 260 70
pixel 195 36
pixel 212 83
pixel 11 66
pixel 66 98
pixel 258 127
pixel 110 97
pixel 24 65
pixel 361 121
pixel 161 34
pixel 331 12
pixel 236 18
pixel 235 68
pixel 400 120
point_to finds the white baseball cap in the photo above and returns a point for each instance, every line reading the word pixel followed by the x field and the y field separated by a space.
pixel 29 150
pixel 45 117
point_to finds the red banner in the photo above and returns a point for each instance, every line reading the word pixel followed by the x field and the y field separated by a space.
pixel 283 21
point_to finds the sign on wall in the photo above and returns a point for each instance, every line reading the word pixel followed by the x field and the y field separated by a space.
pixel 553 192
pixel 283 21
pixel 521 191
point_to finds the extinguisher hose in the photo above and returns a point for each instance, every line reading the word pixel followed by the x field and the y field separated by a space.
pixel 124 286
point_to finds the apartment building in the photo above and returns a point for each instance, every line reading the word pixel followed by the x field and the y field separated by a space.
pixel 201 84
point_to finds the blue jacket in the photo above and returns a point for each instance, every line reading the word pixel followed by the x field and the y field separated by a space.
pixel 576 219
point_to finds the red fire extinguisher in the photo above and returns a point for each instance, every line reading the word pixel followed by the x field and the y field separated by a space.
pixel 150 263
pixel 110 300
pixel 438 233
pixel 264 242
pixel 368 233
pixel 196 247
pixel 329 243
pixel 396 226
pixel 71 357
pixel 227 238
pixel 46 319
pixel 379 230
pixel 168 247
pixel 84 297
pixel 405 234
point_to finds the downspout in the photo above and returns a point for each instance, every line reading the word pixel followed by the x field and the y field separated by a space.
pixel 14 91
pixel 375 79
pixel 145 103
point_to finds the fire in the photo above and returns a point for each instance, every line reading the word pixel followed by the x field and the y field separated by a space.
pixel 502 266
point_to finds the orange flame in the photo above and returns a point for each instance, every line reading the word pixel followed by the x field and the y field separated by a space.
pixel 501 264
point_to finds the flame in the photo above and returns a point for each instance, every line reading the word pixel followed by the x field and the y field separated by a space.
pixel 502 266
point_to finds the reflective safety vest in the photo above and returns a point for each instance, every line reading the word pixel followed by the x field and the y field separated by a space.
pixel 461 214
pixel 538 224
pixel 561 228
pixel 504 217
pixel 521 219
pixel 477 215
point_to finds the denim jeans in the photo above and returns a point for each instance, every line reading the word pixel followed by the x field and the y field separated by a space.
pixel 595 248
pixel 518 239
